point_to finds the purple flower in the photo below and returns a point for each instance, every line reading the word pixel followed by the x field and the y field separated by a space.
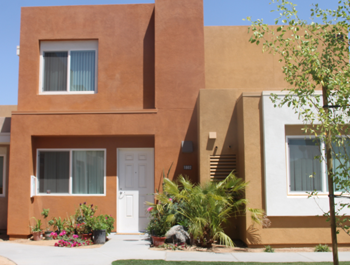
pixel 84 202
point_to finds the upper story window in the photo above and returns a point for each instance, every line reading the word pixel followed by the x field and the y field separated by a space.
pixel 68 67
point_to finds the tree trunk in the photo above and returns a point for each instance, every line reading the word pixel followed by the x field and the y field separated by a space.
pixel 329 159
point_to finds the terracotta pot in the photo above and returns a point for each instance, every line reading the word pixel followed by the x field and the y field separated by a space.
pixel 86 236
pixel 157 241
pixel 37 236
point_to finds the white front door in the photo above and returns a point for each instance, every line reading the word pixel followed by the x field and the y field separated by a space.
pixel 135 187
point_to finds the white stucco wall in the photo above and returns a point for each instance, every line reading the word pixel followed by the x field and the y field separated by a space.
pixel 279 202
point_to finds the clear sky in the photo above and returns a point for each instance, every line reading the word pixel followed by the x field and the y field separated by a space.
pixel 216 13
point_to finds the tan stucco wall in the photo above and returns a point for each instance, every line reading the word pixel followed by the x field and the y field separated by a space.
pixel 232 62
pixel 236 72
pixel 216 114
pixel 5 110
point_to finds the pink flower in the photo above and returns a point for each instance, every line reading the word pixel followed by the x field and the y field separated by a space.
pixel 75 236
pixel 106 218
pixel 63 233
pixel 170 199
pixel 149 209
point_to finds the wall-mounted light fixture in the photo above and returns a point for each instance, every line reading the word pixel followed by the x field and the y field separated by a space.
pixel 187 146
pixel 212 135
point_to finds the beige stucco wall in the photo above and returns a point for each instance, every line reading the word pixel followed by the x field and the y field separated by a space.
pixel 232 62
pixel 5 110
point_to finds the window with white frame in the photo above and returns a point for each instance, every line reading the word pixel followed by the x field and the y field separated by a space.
pixel 308 172
pixel 68 67
pixel 305 170
pixel 71 172
pixel 2 175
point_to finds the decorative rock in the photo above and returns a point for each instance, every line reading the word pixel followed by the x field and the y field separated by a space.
pixel 179 233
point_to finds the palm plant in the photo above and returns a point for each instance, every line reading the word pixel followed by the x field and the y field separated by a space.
pixel 207 207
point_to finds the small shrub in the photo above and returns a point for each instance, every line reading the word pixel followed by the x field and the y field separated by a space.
pixel 322 248
pixel 269 249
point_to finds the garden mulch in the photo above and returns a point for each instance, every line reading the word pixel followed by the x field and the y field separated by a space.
pixel 223 249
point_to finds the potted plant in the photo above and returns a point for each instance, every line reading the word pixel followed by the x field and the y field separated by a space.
pixel 84 217
pixel 99 229
pixel 50 223
pixel 59 224
pixel 158 224
pixel 36 230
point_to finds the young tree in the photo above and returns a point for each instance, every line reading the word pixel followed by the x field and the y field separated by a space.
pixel 315 56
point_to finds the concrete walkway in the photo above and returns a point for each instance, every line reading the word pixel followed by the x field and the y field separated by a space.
pixel 137 247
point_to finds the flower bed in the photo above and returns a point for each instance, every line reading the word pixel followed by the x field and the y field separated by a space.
pixel 70 241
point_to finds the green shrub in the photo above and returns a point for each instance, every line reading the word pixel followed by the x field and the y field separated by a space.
pixel 322 248
pixel 203 208
pixel 269 249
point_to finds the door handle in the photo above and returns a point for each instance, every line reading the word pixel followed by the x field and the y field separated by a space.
pixel 121 195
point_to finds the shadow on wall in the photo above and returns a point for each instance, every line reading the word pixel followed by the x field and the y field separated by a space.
pixel 253 236
pixel 6 124
pixel 185 159
pixel 149 66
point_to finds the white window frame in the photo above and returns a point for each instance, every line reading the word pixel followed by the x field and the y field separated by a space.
pixel 70 171
pixel 3 194
pixel 323 167
pixel 66 46
pixel 324 191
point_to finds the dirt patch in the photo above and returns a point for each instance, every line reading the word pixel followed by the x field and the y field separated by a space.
pixel 223 249
pixel 49 243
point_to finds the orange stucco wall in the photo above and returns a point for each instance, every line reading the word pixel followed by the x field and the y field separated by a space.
pixel 149 75
pixel 125 35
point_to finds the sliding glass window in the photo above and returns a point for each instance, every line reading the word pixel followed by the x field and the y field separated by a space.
pixel 71 172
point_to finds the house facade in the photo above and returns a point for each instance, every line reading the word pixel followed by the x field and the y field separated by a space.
pixel 111 96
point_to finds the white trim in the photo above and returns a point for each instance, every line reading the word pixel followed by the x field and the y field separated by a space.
pixel 70 150
pixel 68 46
pixel 3 176
pixel 277 200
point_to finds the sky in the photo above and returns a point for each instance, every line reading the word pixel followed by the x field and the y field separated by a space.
pixel 216 13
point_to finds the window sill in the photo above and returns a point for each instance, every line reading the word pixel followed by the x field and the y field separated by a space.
pixel 46 93
pixel 141 111
pixel 70 195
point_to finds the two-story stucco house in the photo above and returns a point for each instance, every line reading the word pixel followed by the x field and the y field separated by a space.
pixel 110 96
